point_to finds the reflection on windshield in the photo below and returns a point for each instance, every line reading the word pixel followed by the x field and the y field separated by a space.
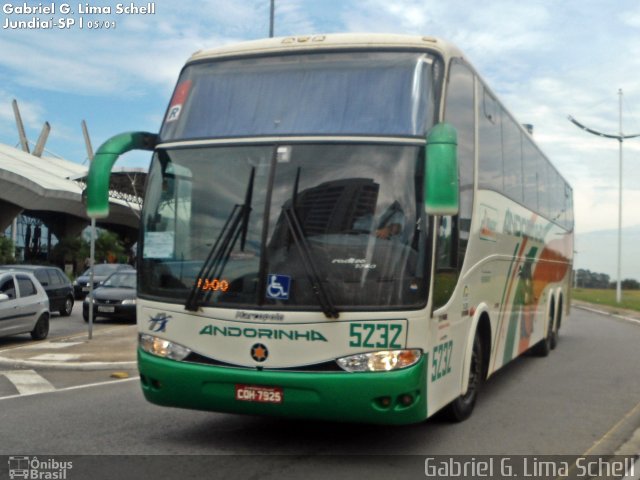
pixel 356 206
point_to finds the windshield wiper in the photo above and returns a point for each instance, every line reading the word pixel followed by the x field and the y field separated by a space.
pixel 297 233
pixel 236 226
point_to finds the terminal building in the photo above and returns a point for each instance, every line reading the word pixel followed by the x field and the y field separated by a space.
pixel 41 202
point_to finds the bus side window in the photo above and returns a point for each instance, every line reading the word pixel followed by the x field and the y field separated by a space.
pixel 446 274
pixel 453 232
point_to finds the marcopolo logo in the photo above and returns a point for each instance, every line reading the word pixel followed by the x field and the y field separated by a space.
pixel 267 333
pixel 38 469
pixel 159 322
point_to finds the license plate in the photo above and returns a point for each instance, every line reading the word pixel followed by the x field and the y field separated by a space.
pixel 106 309
pixel 85 289
pixel 259 394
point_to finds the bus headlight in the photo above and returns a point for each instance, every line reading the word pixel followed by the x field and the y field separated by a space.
pixel 162 348
pixel 382 361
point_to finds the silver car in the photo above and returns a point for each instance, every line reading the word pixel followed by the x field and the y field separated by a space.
pixel 24 305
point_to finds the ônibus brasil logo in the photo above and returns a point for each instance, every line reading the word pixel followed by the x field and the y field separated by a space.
pixel 34 468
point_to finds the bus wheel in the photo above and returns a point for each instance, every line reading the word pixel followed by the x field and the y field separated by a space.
pixel 544 346
pixel 556 330
pixel 460 409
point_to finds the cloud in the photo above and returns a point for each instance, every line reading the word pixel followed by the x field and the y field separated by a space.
pixel 545 60
pixel 142 50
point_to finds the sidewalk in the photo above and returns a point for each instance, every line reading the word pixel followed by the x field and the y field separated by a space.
pixel 108 349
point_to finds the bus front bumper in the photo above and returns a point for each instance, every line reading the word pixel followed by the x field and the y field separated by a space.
pixel 397 397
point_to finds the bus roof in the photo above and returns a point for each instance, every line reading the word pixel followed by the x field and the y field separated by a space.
pixel 334 41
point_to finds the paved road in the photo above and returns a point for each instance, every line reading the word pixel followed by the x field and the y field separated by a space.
pixel 566 403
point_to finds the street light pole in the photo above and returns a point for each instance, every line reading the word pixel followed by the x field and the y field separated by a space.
pixel 620 140
pixel 620 137
pixel 271 17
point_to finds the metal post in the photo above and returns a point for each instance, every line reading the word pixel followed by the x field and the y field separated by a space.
pixel 92 257
pixel 620 137
pixel 619 281
pixel 271 17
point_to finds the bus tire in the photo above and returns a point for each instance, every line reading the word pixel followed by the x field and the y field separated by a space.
pixel 549 342
pixel 460 409
pixel 556 330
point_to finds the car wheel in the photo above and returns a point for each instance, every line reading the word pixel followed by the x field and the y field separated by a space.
pixel 41 330
pixel 66 310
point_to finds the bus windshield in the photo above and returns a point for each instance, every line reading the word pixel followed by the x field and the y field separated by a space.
pixel 359 93
pixel 268 225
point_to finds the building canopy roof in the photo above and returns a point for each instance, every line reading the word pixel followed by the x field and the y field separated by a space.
pixel 52 184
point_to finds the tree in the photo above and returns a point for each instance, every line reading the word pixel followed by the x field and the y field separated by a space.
pixel 74 250
pixel 109 248
pixel 589 279
pixel 630 284
pixel 7 250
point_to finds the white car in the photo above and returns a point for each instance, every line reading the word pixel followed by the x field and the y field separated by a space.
pixel 24 305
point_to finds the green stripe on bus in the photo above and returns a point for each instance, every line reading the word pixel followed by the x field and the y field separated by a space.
pixel 336 396
pixel 503 306
pixel 516 309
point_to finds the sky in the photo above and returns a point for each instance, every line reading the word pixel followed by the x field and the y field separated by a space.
pixel 545 59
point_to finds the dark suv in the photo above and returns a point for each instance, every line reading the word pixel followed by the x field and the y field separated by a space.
pixel 55 283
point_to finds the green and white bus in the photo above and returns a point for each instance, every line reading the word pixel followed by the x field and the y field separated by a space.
pixel 341 227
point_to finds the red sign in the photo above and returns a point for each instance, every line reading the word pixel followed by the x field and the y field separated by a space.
pixel 181 93
pixel 179 97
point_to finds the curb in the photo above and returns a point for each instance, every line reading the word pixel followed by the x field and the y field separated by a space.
pixel 605 313
pixel 66 365
pixel 12 362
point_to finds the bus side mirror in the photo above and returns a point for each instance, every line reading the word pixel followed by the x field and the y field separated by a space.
pixel 441 172
pixel 97 191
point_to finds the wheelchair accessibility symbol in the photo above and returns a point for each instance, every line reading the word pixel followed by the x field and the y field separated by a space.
pixel 278 287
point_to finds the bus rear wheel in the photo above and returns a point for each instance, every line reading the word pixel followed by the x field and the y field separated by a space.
pixel 544 346
pixel 460 409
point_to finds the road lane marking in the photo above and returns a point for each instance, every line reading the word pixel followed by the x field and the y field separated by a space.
pixel 75 387
pixel 606 436
pixel 28 382
pixel 51 345
pixel 634 474
pixel 56 357
pixel 613 429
